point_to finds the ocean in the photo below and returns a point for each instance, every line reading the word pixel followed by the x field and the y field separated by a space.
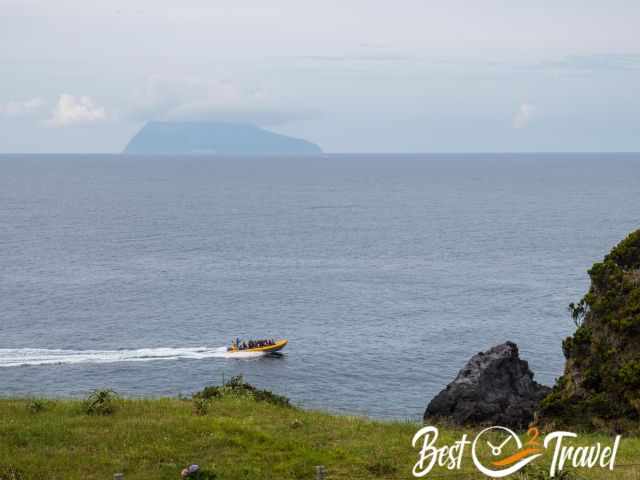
pixel 385 272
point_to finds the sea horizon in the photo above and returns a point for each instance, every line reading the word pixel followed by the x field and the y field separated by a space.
pixel 344 154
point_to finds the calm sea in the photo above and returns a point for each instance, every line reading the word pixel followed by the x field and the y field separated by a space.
pixel 386 273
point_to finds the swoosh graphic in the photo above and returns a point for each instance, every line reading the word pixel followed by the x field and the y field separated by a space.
pixel 516 456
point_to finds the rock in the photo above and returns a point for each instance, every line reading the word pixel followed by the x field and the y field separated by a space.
pixel 495 387
pixel 190 472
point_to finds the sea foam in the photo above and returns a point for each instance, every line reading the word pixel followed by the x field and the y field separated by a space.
pixel 15 357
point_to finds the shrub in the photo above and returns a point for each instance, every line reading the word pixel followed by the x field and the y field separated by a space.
pixel 296 424
pixel 578 312
pixel 101 402
pixel 203 475
pixel 200 406
pixel 592 377
pixel 9 472
pixel 36 405
pixel 541 472
pixel 381 468
pixel 236 387
pixel 627 253
pixel 630 373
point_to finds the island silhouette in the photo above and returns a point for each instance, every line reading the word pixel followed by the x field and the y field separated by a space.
pixel 215 138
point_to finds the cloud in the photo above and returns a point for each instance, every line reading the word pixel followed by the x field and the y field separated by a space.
pixel 595 62
pixel 22 108
pixel 71 110
pixel 524 115
pixel 379 57
pixel 189 99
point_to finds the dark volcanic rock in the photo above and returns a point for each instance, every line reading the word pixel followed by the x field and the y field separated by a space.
pixel 495 387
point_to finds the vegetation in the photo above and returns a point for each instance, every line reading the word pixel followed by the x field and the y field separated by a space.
pixel 36 405
pixel 101 402
pixel 601 384
pixel 237 438
pixel 237 387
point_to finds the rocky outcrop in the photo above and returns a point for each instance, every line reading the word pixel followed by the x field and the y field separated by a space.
pixel 495 387
pixel 600 388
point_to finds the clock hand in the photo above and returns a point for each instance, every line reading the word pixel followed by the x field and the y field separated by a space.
pixel 504 443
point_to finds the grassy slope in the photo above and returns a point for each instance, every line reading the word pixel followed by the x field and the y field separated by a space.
pixel 238 438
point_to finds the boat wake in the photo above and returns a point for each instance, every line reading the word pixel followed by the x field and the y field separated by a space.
pixel 16 357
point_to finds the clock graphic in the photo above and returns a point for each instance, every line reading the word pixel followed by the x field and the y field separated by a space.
pixel 507 452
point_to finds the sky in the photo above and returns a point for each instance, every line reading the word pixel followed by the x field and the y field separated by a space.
pixel 351 75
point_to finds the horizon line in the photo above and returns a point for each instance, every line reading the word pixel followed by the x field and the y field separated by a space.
pixel 324 154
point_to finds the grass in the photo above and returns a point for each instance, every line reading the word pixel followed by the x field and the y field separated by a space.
pixel 236 437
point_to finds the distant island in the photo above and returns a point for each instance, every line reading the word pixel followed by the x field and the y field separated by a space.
pixel 215 138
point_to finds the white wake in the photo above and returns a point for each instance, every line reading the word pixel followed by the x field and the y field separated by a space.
pixel 15 357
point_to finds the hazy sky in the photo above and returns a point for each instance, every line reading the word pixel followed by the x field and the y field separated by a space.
pixel 351 75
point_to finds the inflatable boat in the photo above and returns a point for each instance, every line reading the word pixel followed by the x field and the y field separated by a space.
pixel 279 345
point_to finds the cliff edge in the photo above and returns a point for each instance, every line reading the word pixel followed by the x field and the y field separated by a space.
pixel 600 388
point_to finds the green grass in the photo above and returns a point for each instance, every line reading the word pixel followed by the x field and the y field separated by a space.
pixel 237 438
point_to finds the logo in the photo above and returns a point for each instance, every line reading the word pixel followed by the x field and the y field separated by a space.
pixel 498 452
pixel 502 465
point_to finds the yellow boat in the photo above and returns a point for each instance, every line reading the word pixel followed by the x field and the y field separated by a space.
pixel 279 345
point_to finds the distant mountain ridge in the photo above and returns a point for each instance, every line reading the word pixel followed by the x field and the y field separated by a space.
pixel 214 138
